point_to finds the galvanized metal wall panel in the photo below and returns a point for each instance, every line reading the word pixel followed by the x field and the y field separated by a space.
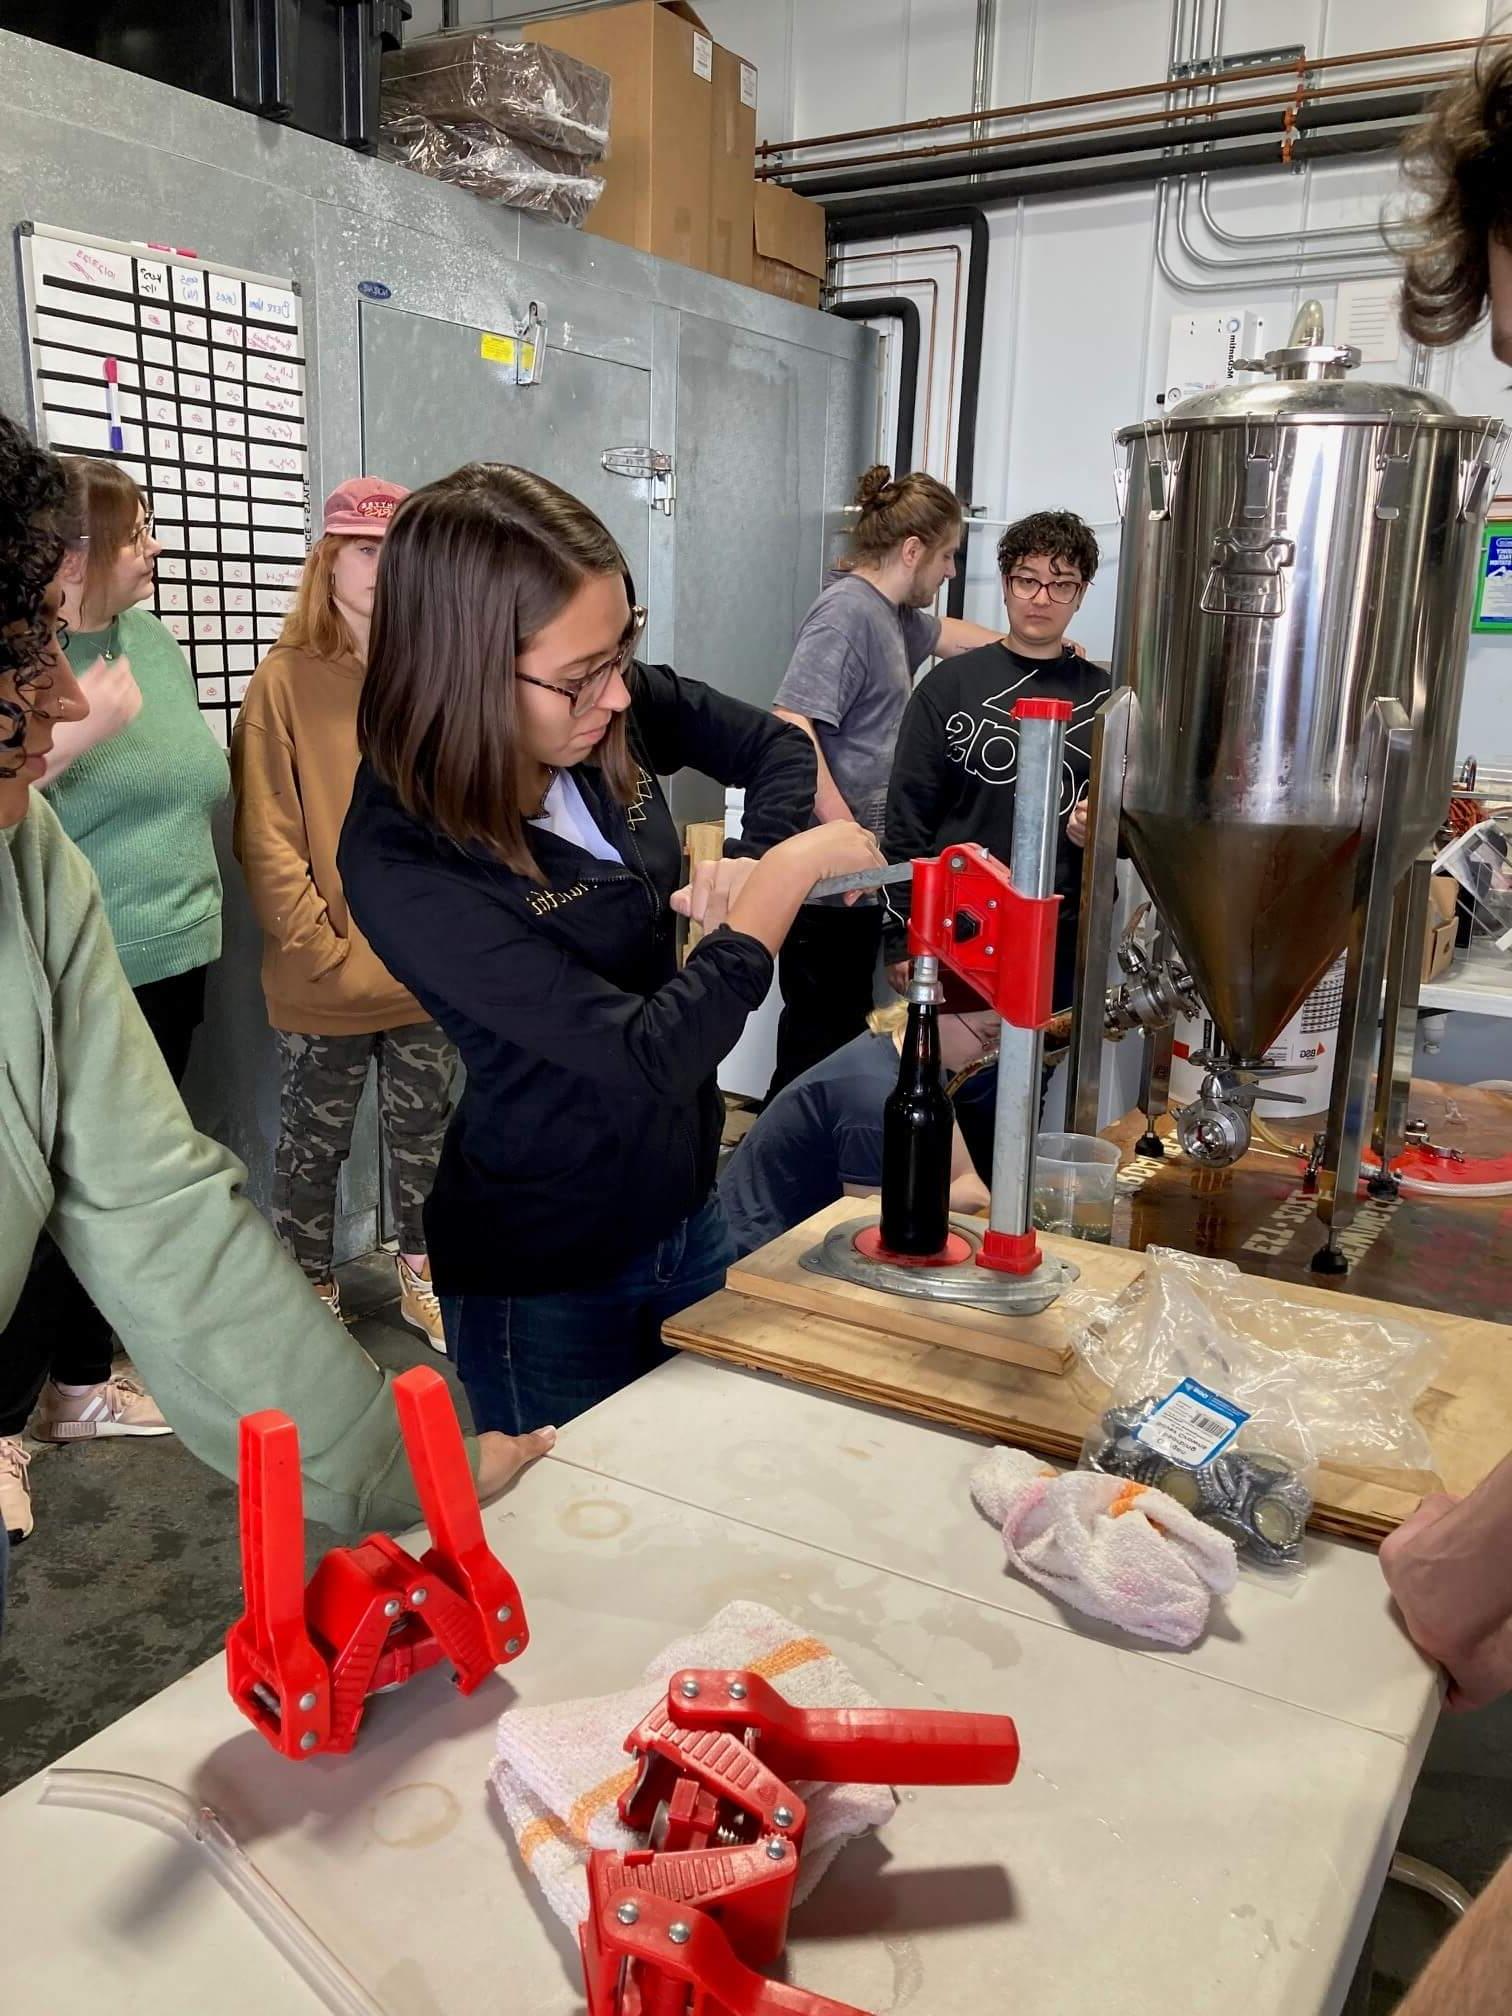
pixel 100 150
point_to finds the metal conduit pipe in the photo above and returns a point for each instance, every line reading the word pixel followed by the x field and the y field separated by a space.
pixel 1244 240
pixel 1035 107
pixel 1195 122
pixel 1096 146
pixel 1299 266
pixel 871 216
pixel 1186 36
pixel 898 308
pixel 1299 257
pixel 1303 275
pixel 886 217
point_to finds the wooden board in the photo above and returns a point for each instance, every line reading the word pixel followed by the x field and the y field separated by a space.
pixel 1467 1412
pixel 776 1274
pixel 703 840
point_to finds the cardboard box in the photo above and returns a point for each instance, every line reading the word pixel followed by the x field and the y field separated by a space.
pixel 1438 947
pixel 789 245
pixel 682 132
pixel 732 168
pixel 1443 895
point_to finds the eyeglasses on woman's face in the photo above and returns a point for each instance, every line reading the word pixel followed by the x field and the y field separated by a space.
pixel 137 543
pixel 1028 587
pixel 586 692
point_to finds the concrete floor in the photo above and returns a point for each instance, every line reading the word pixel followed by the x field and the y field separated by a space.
pixel 131 1580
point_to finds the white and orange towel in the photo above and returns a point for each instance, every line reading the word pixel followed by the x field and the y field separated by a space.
pixel 559 1770
pixel 1116 1550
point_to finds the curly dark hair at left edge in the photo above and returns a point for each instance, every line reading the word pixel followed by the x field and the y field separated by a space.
pixel 36 522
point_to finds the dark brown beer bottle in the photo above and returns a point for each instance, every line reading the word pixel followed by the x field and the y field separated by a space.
pixel 917 1129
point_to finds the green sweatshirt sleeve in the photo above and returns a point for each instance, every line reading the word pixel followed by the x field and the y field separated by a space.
pixel 150 1216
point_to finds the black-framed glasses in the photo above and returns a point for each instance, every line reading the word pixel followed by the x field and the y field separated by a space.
pixel 142 534
pixel 1025 587
pixel 588 691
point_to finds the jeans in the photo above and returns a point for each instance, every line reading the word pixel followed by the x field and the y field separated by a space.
pixel 536 1361
pixel 55 1330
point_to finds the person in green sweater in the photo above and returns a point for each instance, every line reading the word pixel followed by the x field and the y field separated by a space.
pixel 135 784
pixel 95 1143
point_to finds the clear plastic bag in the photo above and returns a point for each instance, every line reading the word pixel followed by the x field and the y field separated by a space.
pixel 1227 1394
pixel 474 155
pixel 529 91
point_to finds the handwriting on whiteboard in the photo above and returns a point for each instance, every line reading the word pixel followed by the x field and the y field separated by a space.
pixel 272 342
pixel 211 410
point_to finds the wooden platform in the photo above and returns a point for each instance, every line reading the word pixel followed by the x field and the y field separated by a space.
pixel 871 1356
pixel 776 1274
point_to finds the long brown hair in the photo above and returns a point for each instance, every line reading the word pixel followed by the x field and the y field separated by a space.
pixel 1460 160
pixel 108 502
pixel 314 623
pixel 473 567
pixel 892 509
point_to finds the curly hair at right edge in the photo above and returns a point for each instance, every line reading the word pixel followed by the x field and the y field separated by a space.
pixel 36 511
pixel 1460 161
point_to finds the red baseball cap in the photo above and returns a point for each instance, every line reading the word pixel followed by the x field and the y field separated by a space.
pixel 362 505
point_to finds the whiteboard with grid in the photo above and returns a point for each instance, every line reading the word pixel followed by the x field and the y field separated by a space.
pixel 211 393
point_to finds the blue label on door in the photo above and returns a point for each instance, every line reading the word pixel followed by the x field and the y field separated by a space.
pixel 374 290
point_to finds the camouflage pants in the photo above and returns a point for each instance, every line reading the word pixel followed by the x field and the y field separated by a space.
pixel 322 1083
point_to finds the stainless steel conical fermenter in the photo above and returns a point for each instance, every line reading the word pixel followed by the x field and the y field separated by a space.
pixel 1298 563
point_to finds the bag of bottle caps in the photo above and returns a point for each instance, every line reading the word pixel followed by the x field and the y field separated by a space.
pixel 1227 1394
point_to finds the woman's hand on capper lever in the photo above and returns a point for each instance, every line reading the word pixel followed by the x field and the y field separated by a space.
pixel 763 900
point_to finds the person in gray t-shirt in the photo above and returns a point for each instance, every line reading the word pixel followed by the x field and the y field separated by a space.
pixel 846 686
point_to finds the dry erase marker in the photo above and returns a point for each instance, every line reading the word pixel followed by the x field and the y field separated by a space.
pixel 113 406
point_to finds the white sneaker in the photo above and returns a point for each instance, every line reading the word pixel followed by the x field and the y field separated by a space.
pixel 118 1407
pixel 419 1306
pixel 331 1296
pixel 15 1490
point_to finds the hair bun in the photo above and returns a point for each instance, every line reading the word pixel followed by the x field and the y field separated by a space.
pixel 871 491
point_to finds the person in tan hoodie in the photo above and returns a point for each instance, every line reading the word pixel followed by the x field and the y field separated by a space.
pixel 333 1006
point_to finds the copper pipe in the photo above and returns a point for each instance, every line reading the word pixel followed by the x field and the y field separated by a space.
pixel 842 258
pixel 1162 89
pixel 1194 115
pixel 891 287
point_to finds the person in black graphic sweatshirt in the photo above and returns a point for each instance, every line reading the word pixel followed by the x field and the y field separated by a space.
pixel 957 752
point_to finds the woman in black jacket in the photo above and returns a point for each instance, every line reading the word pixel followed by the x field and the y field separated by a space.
pixel 511 859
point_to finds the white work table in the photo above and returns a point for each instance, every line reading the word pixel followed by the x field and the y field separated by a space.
pixel 1478 983
pixel 1191 1832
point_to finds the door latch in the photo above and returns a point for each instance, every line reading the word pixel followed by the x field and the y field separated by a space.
pixel 648 465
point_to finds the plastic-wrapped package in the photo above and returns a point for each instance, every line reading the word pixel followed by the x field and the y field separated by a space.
pixel 1227 1395
pixel 529 91
pixel 477 156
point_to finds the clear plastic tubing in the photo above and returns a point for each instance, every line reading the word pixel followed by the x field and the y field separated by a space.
pixel 173 1813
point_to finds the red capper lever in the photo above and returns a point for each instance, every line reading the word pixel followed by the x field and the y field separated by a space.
pixel 725 1831
pixel 301 1663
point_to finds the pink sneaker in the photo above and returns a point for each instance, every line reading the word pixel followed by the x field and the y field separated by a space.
pixel 119 1407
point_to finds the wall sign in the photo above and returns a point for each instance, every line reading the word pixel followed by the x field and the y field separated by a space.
pixel 191 376
pixel 1493 600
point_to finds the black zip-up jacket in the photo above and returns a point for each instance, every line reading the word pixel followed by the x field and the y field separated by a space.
pixel 953 773
pixel 590 1124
